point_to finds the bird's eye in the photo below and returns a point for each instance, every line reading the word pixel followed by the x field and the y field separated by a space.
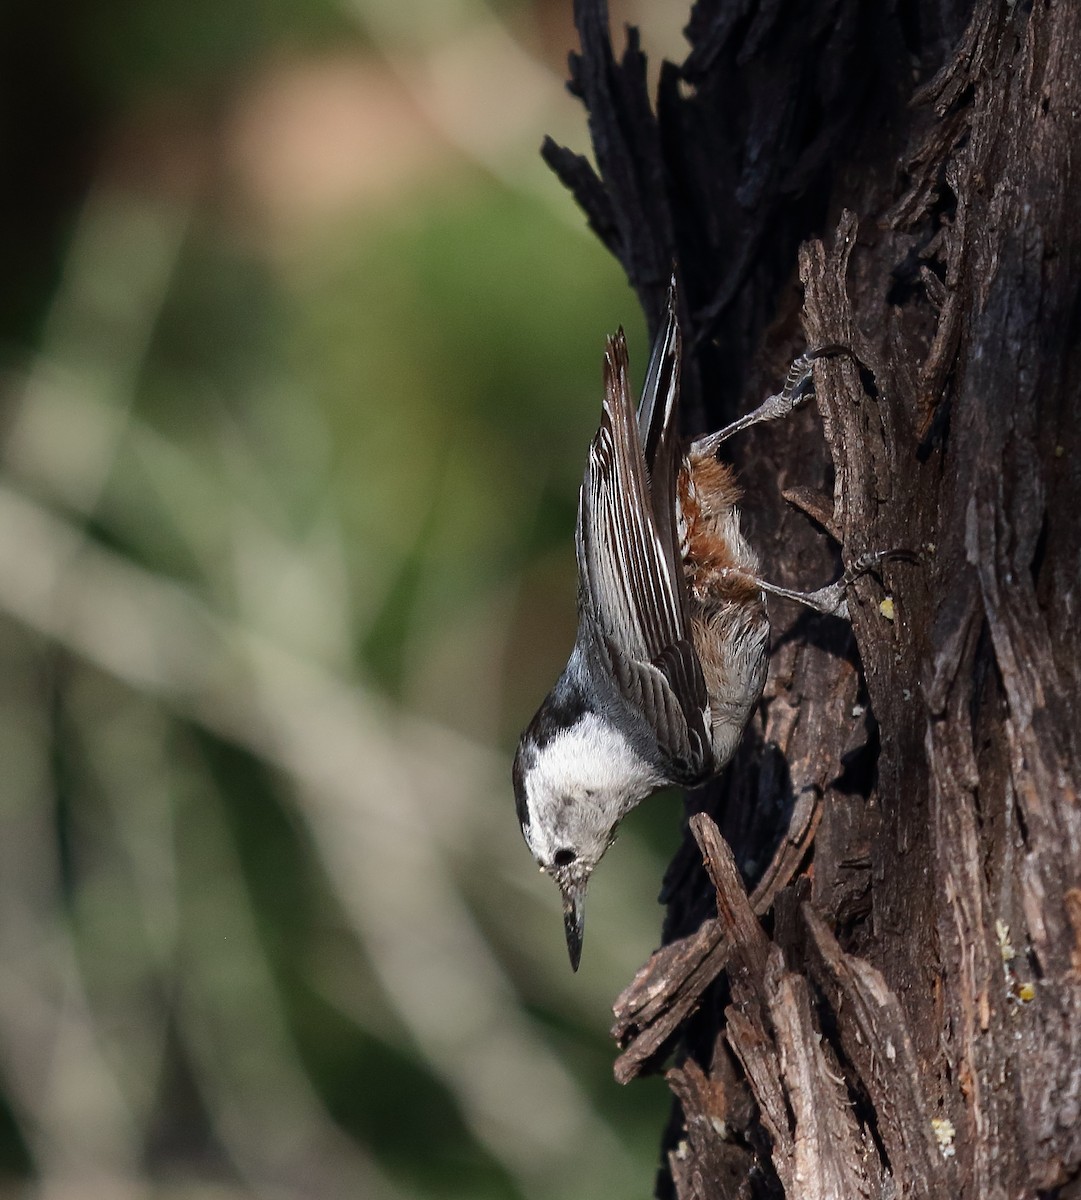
pixel 564 858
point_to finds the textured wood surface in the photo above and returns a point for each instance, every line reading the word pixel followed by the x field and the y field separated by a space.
pixel 895 1009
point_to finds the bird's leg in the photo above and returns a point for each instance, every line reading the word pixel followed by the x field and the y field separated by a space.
pixel 797 388
pixel 831 599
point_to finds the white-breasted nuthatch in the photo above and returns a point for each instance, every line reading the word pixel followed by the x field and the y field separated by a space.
pixel 673 638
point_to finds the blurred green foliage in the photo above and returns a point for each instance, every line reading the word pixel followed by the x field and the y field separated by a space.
pixel 129 49
pixel 274 498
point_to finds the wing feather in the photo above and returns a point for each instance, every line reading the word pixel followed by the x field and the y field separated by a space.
pixel 633 586
pixel 658 429
pixel 660 694
pixel 633 589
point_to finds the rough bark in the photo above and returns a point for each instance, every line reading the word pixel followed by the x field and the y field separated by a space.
pixel 896 1009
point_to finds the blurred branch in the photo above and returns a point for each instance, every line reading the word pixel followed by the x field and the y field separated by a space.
pixel 389 799
pixel 116 278
pixel 199 947
pixel 262 1101
pixel 352 769
pixel 63 1092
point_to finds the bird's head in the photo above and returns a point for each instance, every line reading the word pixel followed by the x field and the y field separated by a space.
pixel 573 784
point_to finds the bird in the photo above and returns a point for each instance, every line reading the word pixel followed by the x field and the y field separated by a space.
pixel 670 656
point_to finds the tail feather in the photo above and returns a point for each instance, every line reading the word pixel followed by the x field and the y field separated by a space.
pixel 658 428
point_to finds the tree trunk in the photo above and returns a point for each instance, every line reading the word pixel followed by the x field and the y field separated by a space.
pixel 896 1009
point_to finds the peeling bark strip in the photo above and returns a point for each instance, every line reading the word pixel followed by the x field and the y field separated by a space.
pixel 896 1010
pixel 670 986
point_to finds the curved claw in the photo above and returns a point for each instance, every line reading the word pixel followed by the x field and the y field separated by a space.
pixel 830 600
pixel 798 386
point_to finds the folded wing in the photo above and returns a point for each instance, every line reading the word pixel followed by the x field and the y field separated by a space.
pixel 634 592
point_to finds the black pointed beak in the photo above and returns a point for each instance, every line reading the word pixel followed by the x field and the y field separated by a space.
pixel 574 920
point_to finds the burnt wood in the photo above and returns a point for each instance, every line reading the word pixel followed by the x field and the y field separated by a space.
pixel 896 1008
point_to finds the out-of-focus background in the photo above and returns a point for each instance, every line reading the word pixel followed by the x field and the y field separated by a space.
pixel 300 349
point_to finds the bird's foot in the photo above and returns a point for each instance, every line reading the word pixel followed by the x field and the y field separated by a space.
pixel 831 599
pixel 798 388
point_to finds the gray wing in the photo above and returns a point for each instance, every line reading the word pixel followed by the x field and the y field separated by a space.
pixel 658 430
pixel 633 590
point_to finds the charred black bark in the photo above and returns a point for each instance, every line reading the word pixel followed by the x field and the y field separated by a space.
pixel 896 1010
